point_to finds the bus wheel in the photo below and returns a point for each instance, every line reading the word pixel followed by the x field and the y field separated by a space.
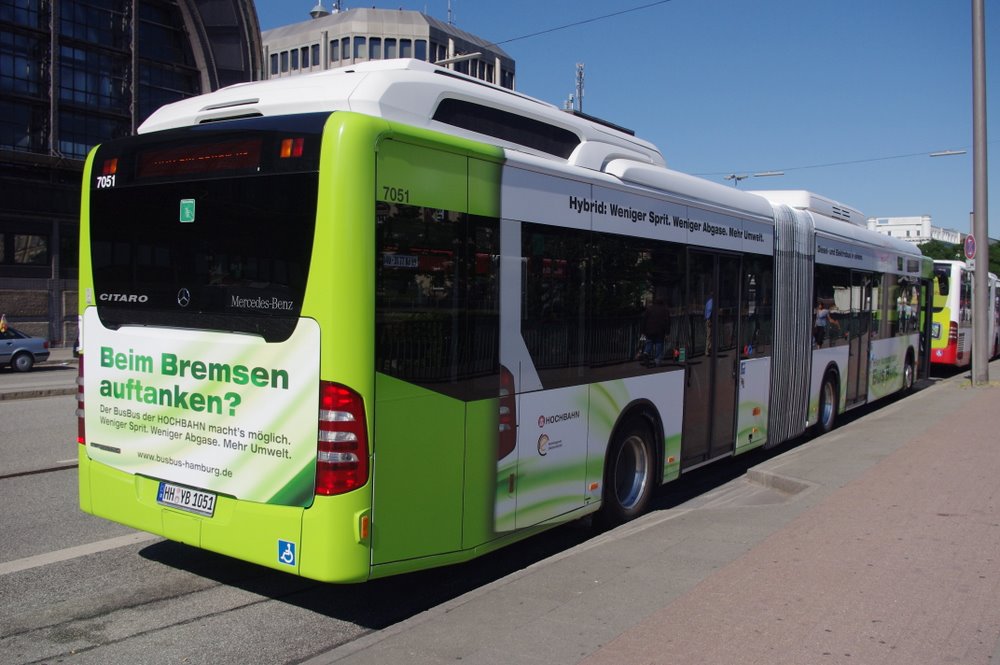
pixel 827 405
pixel 908 374
pixel 628 475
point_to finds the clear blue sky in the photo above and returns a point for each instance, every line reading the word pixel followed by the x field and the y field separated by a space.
pixel 845 97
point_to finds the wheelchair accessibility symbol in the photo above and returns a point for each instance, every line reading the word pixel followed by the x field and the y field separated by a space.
pixel 286 552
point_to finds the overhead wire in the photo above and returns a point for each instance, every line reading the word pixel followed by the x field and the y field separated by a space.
pixel 849 162
pixel 581 22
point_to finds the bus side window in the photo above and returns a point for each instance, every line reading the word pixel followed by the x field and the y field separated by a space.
pixel 437 302
pixel 554 301
pixel 942 283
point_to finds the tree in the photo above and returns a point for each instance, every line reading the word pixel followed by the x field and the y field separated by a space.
pixel 942 251
pixel 946 251
pixel 995 258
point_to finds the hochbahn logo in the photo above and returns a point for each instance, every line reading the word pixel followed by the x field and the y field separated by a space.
pixel 558 418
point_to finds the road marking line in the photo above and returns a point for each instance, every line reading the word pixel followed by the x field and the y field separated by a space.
pixel 39 560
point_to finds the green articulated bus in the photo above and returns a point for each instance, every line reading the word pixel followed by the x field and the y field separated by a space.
pixel 387 318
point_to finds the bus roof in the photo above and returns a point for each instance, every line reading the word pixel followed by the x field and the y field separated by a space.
pixel 412 92
pixel 805 200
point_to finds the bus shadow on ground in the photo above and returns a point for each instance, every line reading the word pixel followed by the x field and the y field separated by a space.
pixel 381 603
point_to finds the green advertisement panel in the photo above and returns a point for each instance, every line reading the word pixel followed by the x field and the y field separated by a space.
pixel 227 413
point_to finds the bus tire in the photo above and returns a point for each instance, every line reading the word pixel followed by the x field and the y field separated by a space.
pixel 909 373
pixel 827 404
pixel 628 474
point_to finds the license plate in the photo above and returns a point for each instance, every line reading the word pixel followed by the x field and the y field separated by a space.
pixel 186 498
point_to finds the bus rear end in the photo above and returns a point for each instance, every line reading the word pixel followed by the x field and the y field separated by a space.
pixel 951 333
pixel 203 417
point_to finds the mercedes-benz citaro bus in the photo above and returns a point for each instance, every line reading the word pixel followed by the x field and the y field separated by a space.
pixel 385 318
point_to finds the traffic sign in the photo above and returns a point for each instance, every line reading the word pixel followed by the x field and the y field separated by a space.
pixel 970 246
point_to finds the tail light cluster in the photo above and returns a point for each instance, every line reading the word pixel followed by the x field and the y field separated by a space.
pixel 342 446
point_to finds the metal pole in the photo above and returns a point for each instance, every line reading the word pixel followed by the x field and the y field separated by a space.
pixel 980 215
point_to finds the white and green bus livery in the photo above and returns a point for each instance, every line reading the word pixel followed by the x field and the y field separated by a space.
pixel 375 320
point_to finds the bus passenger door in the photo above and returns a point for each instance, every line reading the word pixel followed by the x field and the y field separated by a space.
pixel 712 356
pixel 860 337
pixel 726 354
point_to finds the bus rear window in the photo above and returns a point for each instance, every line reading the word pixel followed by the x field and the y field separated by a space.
pixel 207 227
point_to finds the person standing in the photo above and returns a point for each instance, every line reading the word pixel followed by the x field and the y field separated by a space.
pixel 655 326
pixel 820 326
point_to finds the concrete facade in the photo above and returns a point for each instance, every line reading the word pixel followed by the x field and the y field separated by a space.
pixel 345 38
pixel 915 229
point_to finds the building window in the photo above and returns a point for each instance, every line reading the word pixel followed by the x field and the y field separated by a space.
pixel 23 126
pixel 405 48
pixel 94 24
pixel 92 78
pixel 359 48
pixel 20 71
pixel 315 54
pixel 295 59
pixel 334 50
pixel 420 49
pixel 274 64
pixel 30 250
pixel 25 12
pixel 390 48
pixel 284 62
pixel 345 48
pixel 374 48
pixel 305 57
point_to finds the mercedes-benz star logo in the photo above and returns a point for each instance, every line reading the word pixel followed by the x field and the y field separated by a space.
pixel 183 297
